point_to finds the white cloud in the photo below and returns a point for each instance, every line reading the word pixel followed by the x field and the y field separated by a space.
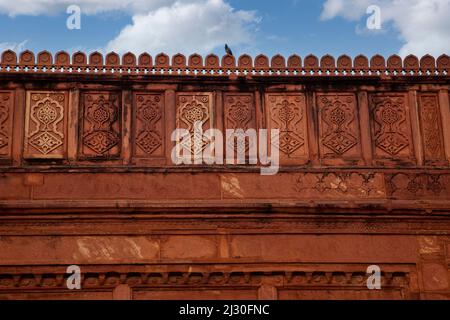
pixel 188 27
pixel 423 25
pixel 45 7
pixel 14 46
pixel 349 9
pixel 169 26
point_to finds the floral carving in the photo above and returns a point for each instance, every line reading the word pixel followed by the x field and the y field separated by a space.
pixel 338 130
pixel 101 113
pixel 423 185
pixel 390 125
pixel 287 115
pixel 239 113
pixel 340 184
pixel 44 125
pixel 5 101
pixel 194 110
pixel 149 137
pixel 431 127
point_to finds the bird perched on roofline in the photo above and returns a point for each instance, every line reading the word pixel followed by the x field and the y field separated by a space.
pixel 228 50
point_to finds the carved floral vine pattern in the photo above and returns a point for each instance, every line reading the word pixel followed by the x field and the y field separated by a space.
pixel 101 112
pixel 423 185
pixel 390 124
pixel 337 126
pixel 193 110
pixel 340 184
pixel 149 137
pixel 44 129
pixel 287 115
pixel 5 101
pixel 431 128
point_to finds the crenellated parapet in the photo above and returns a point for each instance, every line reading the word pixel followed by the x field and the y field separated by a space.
pixel 213 65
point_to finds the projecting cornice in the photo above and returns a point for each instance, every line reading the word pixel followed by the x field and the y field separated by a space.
pixel 212 65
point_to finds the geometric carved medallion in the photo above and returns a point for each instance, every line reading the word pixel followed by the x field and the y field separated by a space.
pixel 101 127
pixel 45 125
pixel 149 125
pixel 45 142
pixel 390 126
pixel 338 125
pixel 194 109
pixel 238 110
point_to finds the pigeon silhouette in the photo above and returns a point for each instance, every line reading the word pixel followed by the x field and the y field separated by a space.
pixel 228 50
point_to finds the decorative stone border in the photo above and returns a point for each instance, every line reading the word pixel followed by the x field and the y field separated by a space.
pixel 112 279
pixel 211 65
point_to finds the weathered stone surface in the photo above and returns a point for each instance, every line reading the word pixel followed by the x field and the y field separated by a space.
pixel 188 247
pixel 148 186
pixel 233 294
pixel 19 250
pixel 340 295
pixel 13 187
pixel 322 249
pixel 435 277
pixel 87 178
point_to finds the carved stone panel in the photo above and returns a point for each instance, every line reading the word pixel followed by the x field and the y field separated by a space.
pixel 192 108
pixel 239 110
pixel 6 103
pixel 338 126
pixel 287 112
pixel 342 185
pixel 391 128
pixel 418 185
pixel 431 130
pixel 100 125
pixel 148 125
pixel 45 125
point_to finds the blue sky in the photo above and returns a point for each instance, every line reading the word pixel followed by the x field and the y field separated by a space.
pixel 249 26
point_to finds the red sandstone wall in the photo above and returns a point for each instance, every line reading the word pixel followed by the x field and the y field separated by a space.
pixel 364 180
